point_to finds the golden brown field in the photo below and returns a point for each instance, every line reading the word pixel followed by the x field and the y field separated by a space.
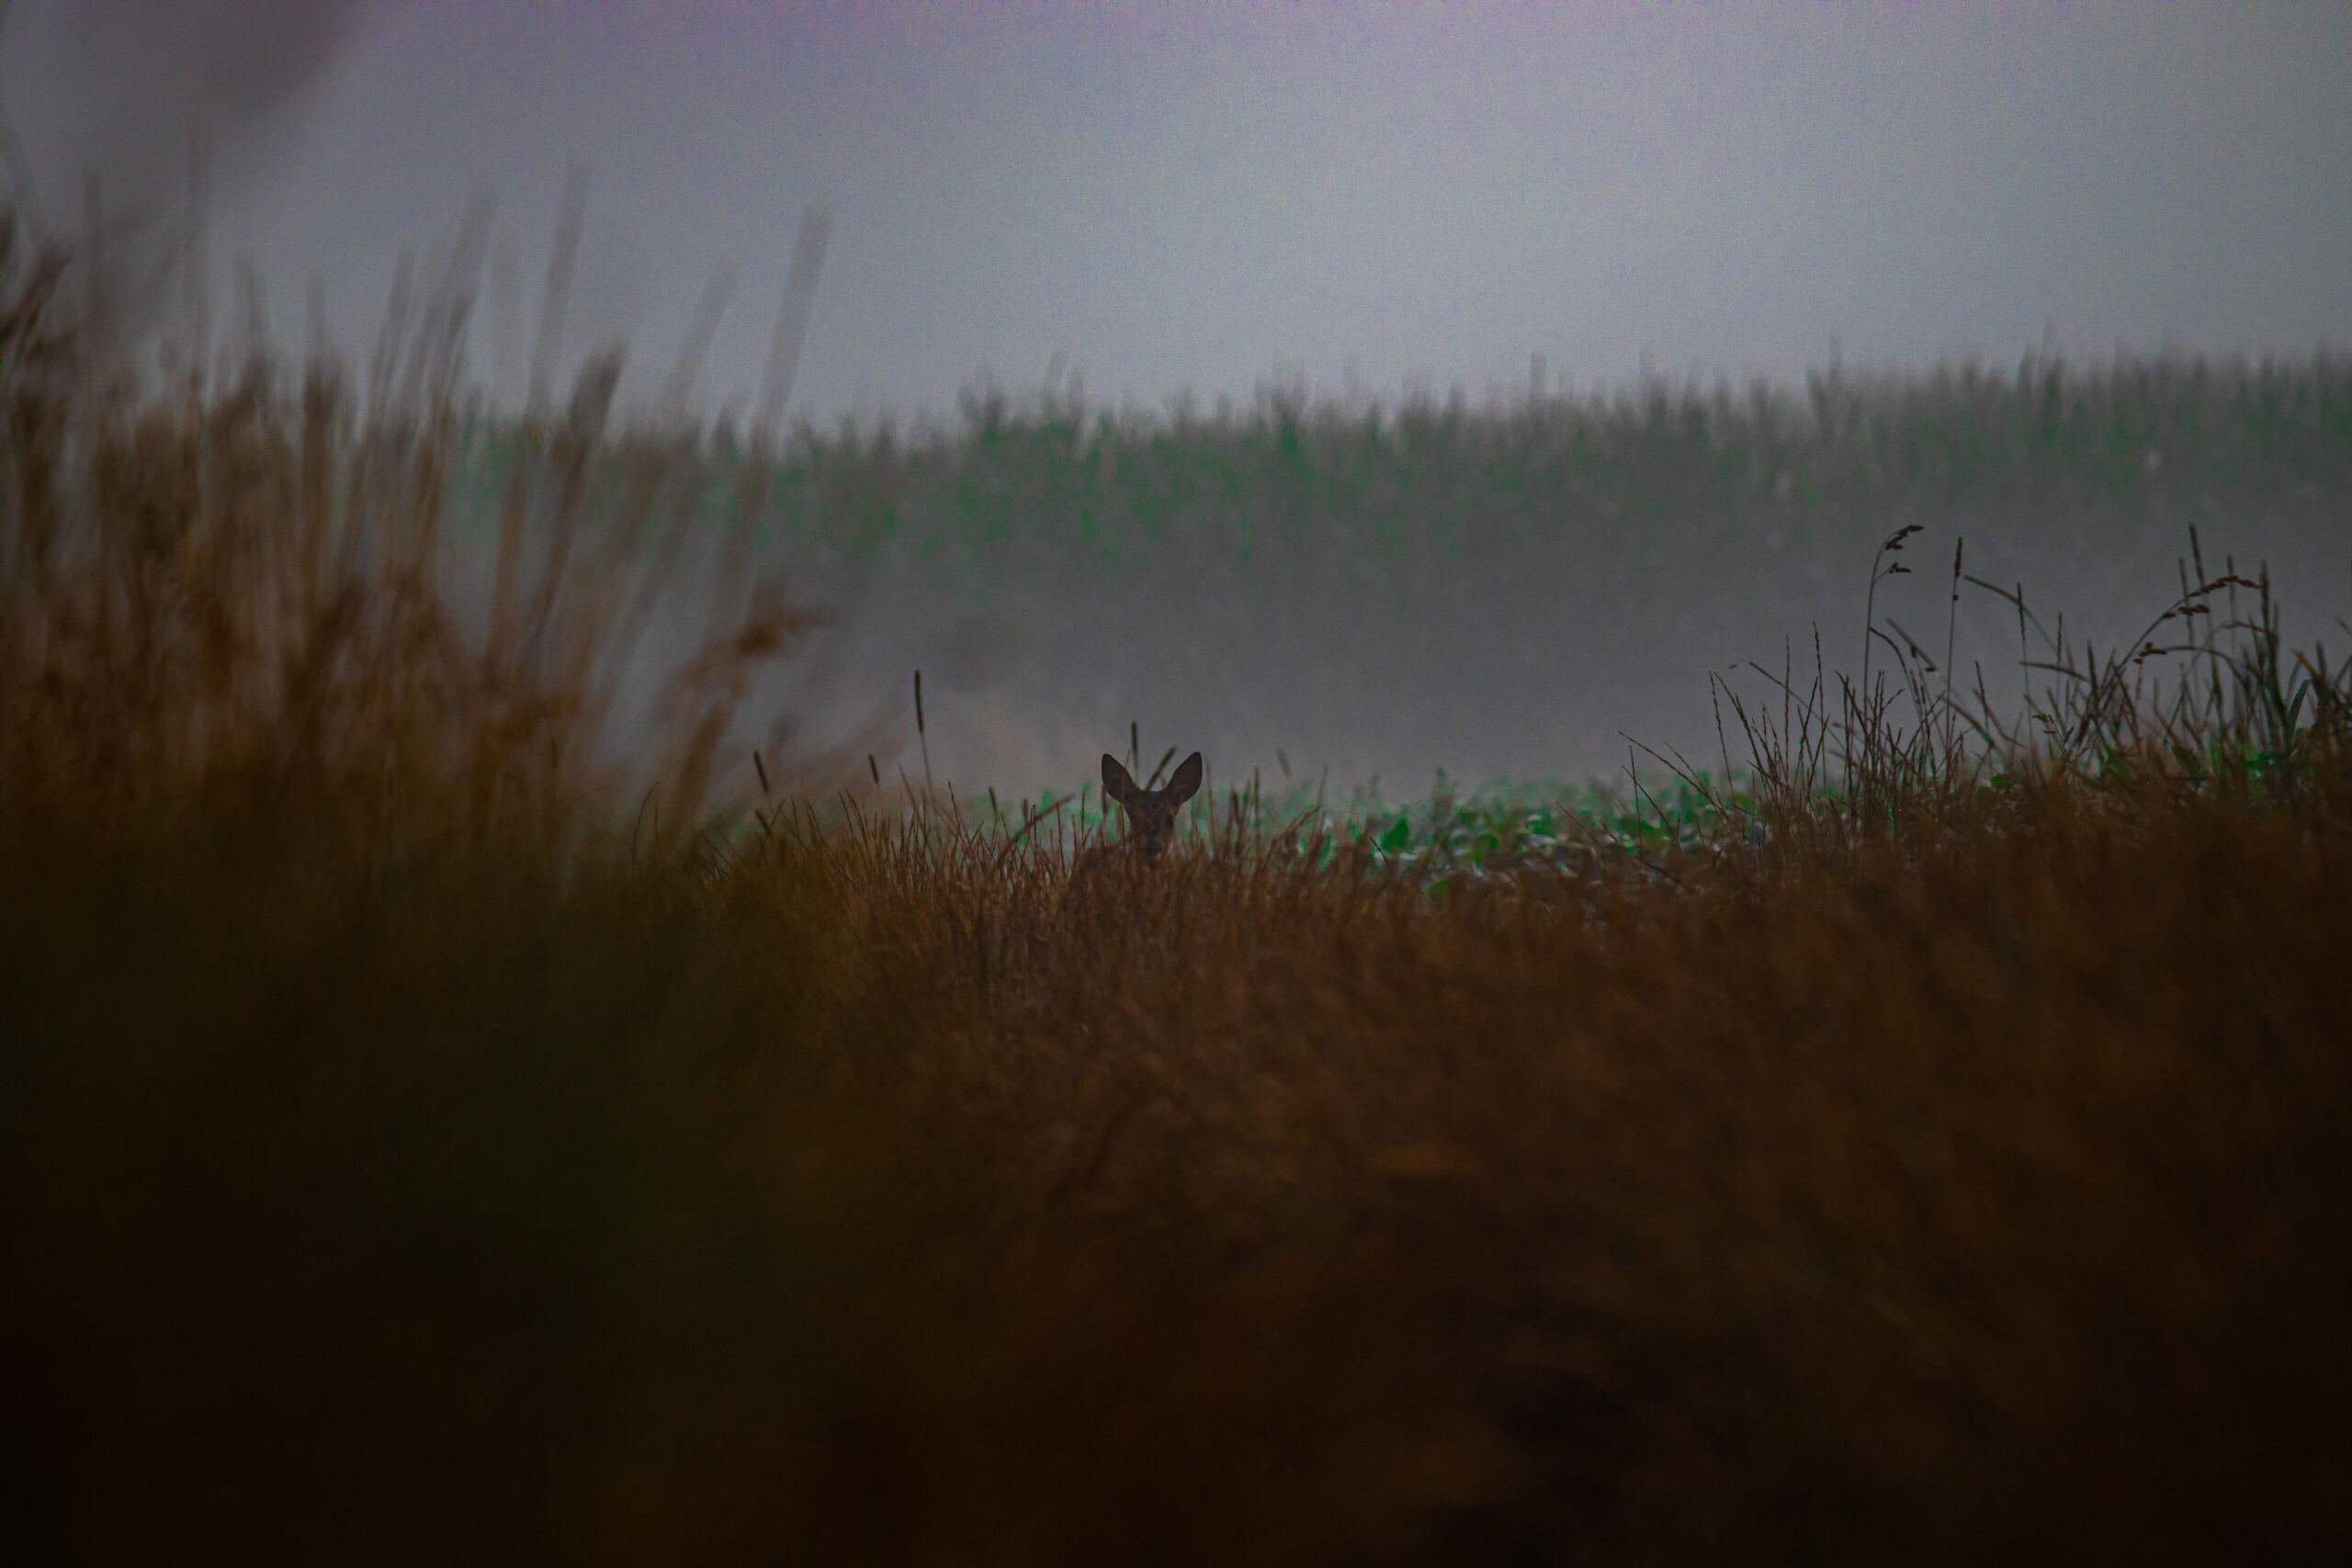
pixel 412 1147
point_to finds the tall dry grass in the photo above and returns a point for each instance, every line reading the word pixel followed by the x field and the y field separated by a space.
pixel 408 1149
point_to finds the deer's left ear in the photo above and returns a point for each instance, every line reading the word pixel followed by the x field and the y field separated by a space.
pixel 1185 782
pixel 1116 784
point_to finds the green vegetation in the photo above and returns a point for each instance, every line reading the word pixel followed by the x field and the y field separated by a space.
pixel 420 1139
pixel 1578 508
pixel 1508 588
pixel 2130 441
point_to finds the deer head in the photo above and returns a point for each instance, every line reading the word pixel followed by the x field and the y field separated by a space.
pixel 1151 813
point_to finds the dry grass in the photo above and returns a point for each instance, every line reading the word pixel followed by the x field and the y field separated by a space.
pixel 409 1150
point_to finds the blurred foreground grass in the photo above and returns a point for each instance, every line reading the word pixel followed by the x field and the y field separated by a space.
pixel 413 1145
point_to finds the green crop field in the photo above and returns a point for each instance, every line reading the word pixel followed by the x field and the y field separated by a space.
pixel 469 1094
pixel 1503 591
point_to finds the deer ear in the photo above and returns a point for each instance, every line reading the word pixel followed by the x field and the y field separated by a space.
pixel 1185 782
pixel 1115 781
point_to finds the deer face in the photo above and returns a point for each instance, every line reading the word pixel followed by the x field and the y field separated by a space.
pixel 1151 813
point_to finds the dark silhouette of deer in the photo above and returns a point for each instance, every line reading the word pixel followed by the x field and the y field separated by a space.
pixel 1150 813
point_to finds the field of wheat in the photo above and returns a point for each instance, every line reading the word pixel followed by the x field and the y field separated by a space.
pixel 425 1136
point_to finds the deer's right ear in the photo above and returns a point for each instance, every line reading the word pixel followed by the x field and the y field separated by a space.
pixel 1184 781
pixel 1115 781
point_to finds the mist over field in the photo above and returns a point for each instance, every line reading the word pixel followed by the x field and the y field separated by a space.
pixel 1487 296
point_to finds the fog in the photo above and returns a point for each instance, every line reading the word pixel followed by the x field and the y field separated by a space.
pixel 1142 200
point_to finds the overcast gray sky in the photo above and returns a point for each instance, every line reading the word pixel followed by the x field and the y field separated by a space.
pixel 1180 195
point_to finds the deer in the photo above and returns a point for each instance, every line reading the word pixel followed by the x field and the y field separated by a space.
pixel 1150 814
